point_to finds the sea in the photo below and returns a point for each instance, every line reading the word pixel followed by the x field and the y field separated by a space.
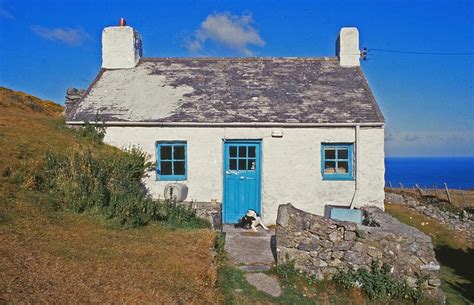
pixel 456 172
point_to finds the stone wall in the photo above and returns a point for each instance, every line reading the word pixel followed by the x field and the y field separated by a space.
pixel 462 221
pixel 208 211
pixel 323 247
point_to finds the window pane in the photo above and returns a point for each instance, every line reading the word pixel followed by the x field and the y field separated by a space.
pixel 343 153
pixel 165 153
pixel 233 151
pixel 242 151
pixel 329 167
pixel 179 167
pixel 179 152
pixel 251 151
pixel 329 153
pixel 251 164
pixel 342 167
pixel 165 168
pixel 233 164
pixel 242 164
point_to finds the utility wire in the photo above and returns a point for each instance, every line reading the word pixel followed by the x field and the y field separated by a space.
pixel 423 53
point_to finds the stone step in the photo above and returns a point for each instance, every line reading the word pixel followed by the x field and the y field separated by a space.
pixel 254 268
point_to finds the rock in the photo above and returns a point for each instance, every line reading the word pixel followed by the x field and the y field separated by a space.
pixel 349 235
pixel 435 282
pixel 283 216
pixel 431 266
pixel 264 283
pixel 361 233
pixel 325 255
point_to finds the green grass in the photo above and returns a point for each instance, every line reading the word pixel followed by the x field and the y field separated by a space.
pixel 454 253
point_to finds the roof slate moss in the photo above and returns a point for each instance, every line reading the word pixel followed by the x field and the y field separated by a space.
pixel 230 90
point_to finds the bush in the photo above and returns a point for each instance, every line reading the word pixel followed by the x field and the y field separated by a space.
pixel 378 283
pixel 109 184
pixel 94 132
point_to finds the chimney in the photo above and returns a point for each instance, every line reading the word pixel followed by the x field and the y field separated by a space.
pixel 121 46
pixel 347 47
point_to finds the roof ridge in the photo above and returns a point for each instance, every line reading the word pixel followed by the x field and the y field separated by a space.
pixel 323 58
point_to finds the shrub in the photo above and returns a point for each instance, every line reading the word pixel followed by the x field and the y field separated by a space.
pixel 109 184
pixel 378 283
pixel 94 132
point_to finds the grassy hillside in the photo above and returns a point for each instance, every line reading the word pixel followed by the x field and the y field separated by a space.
pixel 50 254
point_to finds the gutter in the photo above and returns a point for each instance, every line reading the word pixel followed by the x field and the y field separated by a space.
pixel 232 124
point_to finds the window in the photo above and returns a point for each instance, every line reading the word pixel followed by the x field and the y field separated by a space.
pixel 242 158
pixel 171 161
pixel 336 161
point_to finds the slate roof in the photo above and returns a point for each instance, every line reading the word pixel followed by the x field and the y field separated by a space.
pixel 231 90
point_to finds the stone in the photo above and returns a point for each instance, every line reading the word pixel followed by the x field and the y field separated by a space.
pixel 253 268
pixel 338 254
pixel 265 283
pixel 374 252
pixel 283 216
pixel 343 245
pixel 335 236
pixel 349 235
pixel 431 266
pixel 325 255
pixel 435 282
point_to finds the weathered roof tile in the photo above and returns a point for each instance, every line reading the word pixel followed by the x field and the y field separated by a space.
pixel 231 90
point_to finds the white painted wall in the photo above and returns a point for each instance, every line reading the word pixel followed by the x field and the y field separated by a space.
pixel 291 165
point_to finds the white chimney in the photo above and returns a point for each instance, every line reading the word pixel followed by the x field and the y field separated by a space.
pixel 121 47
pixel 347 47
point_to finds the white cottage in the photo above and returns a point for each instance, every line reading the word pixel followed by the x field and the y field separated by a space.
pixel 244 132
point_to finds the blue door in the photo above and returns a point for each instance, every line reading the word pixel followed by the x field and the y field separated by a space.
pixel 241 179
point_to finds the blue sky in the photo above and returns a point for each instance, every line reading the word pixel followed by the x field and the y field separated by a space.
pixel 428 100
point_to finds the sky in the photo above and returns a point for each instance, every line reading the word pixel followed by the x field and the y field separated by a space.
pixel 427 99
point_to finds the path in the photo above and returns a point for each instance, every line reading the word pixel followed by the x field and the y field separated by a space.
pixel 253 252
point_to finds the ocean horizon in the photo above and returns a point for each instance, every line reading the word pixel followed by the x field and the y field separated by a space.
pixel 456 172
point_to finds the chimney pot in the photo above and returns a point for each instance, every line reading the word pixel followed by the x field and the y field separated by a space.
pixel 122 22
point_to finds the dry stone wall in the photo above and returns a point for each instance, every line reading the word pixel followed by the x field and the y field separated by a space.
pixel 323 247
pixel 462 221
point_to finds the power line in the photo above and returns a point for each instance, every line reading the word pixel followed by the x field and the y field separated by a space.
pixel 423 53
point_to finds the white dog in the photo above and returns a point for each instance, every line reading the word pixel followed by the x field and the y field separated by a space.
pixel 251 220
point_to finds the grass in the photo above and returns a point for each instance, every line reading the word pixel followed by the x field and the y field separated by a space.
pixel 453 251
pixel 51 255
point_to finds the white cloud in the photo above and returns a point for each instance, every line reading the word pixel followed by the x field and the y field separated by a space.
pixel 69 36
pixel 6 14
pixel 429 142
pixel 231 31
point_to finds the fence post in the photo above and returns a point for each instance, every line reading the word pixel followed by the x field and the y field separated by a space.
pixel 436 190
pixel 419 190
pixel 447 192
pixel 391 187
pixel 401 186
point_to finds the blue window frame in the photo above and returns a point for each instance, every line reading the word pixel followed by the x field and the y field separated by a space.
pixel 337 161
pixel 171 161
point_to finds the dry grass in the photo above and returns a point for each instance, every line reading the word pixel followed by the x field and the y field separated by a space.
pixel 53 256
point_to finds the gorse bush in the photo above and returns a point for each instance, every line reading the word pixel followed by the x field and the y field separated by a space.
pixel 378 283
pixel 109 183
